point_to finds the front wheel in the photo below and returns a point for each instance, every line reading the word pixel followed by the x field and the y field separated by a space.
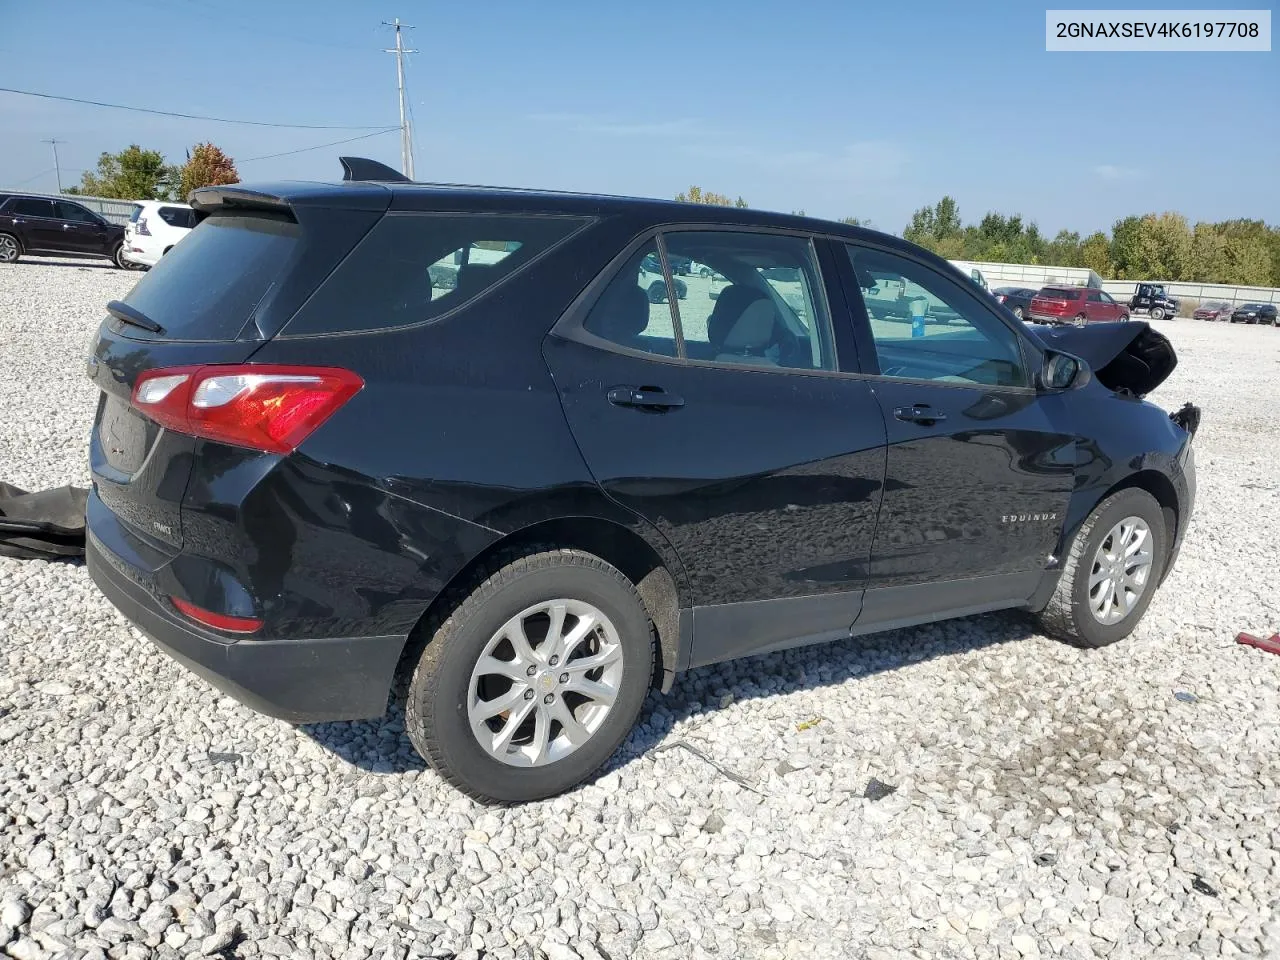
pixel 1110 573
pixel 1157 313
pixel 118 258
pixel 1124 318
pixel 535 678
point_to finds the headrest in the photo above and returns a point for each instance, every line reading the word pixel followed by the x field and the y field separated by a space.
pixel 754 329
pixel 622 313
pixel 733 300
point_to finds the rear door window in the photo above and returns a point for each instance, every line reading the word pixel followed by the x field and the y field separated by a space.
pixel 206 288
pixel 74 212
pixel 32 207
pixel 414 267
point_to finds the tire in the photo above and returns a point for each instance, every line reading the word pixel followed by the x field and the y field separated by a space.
pixel 117 257
pixel 447 684
pixel 704 273
pixel 1081 320
pixel 1069 614
pixel 1017 312
pixel 657 292
pixel 10 248
pixel 1157 313
pixel 1124 318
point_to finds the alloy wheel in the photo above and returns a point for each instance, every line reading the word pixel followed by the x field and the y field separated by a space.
pixel 1080 320
pixel 8 249
pixel 1121 570
pixel 545 682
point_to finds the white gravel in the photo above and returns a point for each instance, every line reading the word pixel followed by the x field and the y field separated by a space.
pixel 1049 801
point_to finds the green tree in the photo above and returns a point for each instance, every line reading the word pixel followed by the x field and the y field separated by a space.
pixel 131 174
pixel 1152 247
pixel 1095 253
pixel 855 221
pixel 930 226
pixel 698 195
pixel 206 166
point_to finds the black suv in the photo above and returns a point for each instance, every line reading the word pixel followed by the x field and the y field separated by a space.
pixel 312 457
pixel 48 225
pixel 1151 297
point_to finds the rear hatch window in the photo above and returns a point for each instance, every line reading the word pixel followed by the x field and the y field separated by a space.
pixel 206 288
pixel 1053 293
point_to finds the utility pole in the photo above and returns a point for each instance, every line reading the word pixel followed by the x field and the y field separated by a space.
pixel 406 134
pixel 57 170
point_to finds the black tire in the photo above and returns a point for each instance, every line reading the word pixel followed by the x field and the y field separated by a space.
pixel 1124 318
pixel 117 257
pixel 1017 312
pixel 436 714
pixel 1081 320
pixel 1067 615
pixel 11 250
pixel 1157 313
pixel 657 292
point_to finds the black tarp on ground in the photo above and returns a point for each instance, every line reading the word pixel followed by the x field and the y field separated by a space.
pixel 44 525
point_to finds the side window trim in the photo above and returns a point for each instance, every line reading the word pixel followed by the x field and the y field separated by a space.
pixel 673 301
pixel 863 323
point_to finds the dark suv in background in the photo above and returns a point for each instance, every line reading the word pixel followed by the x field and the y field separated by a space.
pixel 314 455
pixel 49 225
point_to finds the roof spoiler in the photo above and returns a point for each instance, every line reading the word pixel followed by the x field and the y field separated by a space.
pixel 207 199
pixel 360 168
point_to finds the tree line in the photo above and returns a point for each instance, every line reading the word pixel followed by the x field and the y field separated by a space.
pixel 1150 246
pixel 138 174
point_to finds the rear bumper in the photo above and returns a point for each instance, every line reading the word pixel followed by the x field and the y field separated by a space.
pixel 302 681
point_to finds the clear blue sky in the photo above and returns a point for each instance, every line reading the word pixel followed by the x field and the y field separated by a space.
pixel 839 108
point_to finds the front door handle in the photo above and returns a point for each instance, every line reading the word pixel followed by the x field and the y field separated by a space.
pixel 646 398
pixel 920 413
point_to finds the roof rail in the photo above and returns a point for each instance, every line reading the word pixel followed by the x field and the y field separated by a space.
pixel 360 168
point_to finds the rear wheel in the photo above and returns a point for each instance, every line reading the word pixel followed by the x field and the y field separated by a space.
pixel 1080 320
pixel 1110 573
pixel 535 678
pixel 1124 318
pixel 10 248
pixel 1017 312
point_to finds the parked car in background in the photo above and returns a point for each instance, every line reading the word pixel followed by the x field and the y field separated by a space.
pixel 1151 299
pixel 654 283
pixel 1017 299
pixel 1077 305
pixel 1255 313
pixel 1213 310
pixel 57 227
pixel 154 228
pixel 547 495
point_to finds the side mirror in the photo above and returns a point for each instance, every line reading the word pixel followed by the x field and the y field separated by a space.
pixel 1062 371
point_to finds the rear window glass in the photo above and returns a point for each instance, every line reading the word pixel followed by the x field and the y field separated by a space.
pixel 137 212
pixel 1057 293
pixel 415 267
pixel 206 287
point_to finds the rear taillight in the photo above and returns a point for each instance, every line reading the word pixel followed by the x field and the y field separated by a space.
pixel 267 407
pixel 219 621
pixel 142 228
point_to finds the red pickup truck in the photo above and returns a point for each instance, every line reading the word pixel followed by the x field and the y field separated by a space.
pixel 1078 305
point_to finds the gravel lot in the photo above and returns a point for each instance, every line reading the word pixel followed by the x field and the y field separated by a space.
pixel 1049 801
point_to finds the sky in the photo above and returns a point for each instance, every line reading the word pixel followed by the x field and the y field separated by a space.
pixel 838 108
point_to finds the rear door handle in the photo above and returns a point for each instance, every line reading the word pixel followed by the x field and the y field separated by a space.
pixel 647 398
pixel 920 413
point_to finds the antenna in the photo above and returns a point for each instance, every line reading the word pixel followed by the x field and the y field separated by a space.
pixel 406 134
pixel 57 170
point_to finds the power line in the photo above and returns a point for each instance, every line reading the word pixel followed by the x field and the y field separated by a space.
pixel 320 146
pixel 42 173
pixel 191 116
